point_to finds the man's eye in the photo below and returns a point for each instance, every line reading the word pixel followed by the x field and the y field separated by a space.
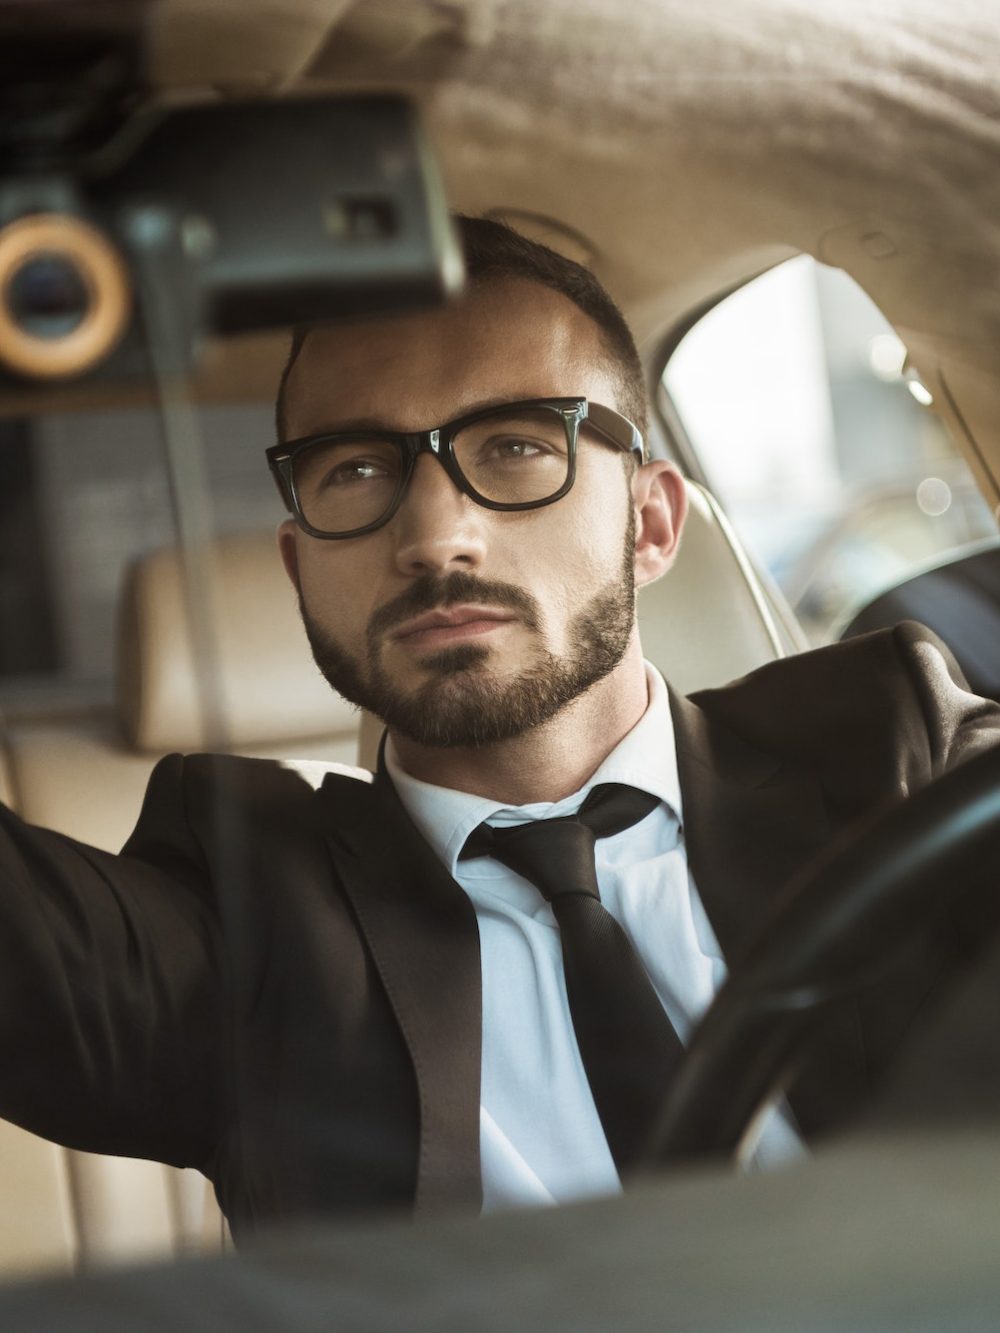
pixel 515 447
pixel 354 470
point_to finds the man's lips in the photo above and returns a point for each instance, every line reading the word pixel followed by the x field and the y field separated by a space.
pixel 453 622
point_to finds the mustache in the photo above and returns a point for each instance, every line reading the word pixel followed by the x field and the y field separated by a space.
pixel 433 592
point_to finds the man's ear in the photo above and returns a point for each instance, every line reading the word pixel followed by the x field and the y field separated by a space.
pixel 660 498
pixel 289 551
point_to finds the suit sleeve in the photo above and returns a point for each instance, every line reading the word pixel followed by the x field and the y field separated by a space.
pixel 110 985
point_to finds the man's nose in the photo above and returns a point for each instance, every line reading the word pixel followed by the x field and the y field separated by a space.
pixel 437 527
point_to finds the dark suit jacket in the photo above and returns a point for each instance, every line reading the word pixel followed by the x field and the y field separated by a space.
pixel 282 986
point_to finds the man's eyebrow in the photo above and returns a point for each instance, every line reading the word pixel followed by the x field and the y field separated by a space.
pixel 374 424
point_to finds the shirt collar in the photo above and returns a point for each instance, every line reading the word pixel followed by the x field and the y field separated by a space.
pixel 645 758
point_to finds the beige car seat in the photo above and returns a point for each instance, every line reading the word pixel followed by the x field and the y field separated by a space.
pixel 706 621
pixel 6 789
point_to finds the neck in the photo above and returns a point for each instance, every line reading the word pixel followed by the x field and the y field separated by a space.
pixel 548 762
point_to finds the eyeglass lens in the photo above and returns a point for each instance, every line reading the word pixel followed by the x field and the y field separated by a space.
pixel 510 458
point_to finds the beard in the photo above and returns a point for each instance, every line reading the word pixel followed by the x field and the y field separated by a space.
pixel 463 703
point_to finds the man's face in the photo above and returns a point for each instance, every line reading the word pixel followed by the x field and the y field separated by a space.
pixel 456 624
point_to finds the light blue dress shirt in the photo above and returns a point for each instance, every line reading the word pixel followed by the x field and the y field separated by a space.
pixel 540 1135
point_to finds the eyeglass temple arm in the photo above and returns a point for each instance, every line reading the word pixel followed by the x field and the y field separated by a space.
pixel 618 429
pixel 277 468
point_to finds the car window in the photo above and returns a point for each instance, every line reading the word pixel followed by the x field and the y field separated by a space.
pixel 820 443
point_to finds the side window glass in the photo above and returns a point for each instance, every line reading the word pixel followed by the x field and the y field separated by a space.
pixel 836 475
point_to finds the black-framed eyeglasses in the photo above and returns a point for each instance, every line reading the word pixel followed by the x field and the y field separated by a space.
pixel 516 456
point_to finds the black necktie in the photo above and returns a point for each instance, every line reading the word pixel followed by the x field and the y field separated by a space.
pixel 628 1047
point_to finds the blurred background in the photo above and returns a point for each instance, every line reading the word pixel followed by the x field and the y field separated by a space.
pixel 797 404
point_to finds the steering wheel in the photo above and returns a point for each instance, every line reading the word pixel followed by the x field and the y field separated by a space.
pixel 917 875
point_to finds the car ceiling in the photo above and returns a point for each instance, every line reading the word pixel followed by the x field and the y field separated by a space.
pixel 681 147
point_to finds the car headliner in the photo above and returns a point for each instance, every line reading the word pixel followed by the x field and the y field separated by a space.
pixel 680 147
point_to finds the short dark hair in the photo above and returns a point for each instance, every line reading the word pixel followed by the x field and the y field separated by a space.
pixel 494 251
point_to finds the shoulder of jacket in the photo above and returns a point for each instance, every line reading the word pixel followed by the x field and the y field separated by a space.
pixel 810 676
pixel 858 697
pixel 264 785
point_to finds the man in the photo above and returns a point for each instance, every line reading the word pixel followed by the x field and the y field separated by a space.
pixel 338 999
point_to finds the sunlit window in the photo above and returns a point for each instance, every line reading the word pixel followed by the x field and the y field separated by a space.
pixel 819 443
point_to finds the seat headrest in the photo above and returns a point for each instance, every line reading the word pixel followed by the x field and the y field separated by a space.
pixel 709 619
pixel 271 691
pixel 6 782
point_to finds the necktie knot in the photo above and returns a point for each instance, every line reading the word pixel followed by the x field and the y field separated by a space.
pixel 557 855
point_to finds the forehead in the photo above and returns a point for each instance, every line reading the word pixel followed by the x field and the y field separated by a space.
pixel 500 341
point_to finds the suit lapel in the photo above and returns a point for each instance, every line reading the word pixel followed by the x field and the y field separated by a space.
pixel 421 931
pixel 751 822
